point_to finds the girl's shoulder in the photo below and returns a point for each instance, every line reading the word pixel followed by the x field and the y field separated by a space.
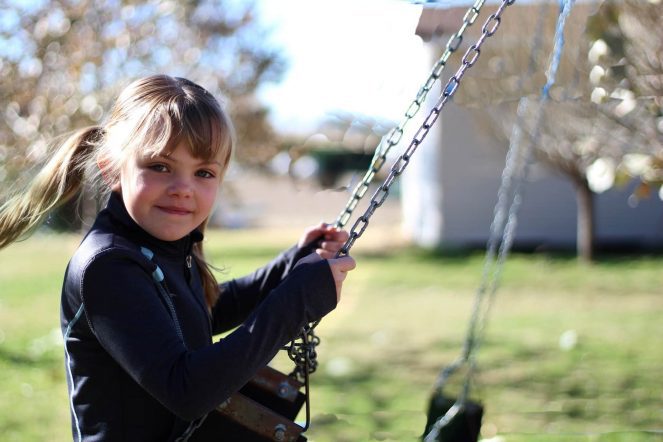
pixel 105 262
pixel 105 248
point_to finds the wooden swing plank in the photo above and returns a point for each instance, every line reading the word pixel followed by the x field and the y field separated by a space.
pixel 248 420
pixel 277 391
pixel 263 410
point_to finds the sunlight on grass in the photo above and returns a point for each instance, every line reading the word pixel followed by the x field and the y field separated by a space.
pixel 572 353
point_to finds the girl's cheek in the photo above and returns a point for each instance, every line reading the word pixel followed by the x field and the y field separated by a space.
pixel 212 193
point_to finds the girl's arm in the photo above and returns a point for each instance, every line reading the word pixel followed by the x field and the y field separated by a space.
pixel 240 296
pixel 124 312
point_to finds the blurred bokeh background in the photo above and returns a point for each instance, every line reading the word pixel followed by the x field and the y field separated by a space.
pixel 315 89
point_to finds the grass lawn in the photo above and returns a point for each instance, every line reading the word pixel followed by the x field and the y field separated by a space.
pixel 403 316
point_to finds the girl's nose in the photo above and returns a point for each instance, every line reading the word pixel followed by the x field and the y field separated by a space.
pixel 180 187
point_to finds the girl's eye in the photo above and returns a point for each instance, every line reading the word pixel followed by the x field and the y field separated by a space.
pixel 205 174
pixel 158 167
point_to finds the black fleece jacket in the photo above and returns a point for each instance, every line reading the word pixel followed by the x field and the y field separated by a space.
pixel 130 376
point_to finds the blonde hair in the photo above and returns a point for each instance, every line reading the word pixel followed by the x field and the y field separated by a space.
pixel 151 116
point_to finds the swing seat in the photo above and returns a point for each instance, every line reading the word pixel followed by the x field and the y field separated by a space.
pixel 241 419
pixel 263 410
pixel 463 427
pixel 277 391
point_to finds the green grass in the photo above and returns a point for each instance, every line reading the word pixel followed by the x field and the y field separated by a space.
pixel 403 316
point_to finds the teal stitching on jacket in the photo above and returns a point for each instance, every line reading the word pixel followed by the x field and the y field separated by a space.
pixel 71 377
pixel 157 275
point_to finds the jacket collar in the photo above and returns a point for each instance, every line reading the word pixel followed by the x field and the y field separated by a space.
pixel 122 219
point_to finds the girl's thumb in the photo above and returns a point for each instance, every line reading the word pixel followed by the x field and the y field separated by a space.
pixel 344 263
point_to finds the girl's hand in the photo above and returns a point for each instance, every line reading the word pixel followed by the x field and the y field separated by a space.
pixel 330 239
pixel 339 268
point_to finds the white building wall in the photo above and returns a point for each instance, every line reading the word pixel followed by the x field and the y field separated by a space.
pixel 471 172
pixel 422 191
pixel 449 192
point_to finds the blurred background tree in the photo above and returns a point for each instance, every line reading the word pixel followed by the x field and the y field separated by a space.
pixel 604 123
pixel 63 62
pixel 626 59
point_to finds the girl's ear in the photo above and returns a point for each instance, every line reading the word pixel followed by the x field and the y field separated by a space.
pixel 108 176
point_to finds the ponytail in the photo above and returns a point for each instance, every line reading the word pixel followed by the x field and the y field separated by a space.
pixel 152 116
pixel 61 178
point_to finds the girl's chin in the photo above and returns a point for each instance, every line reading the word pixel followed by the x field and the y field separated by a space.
pixel 170 235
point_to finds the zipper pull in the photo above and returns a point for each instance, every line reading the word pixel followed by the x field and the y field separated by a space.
pixel 188 261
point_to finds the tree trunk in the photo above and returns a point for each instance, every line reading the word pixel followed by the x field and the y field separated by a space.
pixel 585 230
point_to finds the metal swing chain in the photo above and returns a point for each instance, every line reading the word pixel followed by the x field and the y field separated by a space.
pixel 524 156
pixel 499 232
pixel 518 159
pixel 394 136
pixel 515 164
pixel 300 352
pixel 469 58
pixel 303 354
pixel 303 350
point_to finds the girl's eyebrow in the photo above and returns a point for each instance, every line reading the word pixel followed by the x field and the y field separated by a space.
pixel 209 163
pixel 201 163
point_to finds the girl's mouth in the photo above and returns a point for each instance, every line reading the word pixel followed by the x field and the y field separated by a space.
pixel 174 210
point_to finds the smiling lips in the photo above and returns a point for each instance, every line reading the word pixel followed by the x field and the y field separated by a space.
pixel 175 210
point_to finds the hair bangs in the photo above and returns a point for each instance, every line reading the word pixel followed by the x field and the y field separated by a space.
pixel 160 113
pixel 157 135
pixel 205 130
pixel 207 133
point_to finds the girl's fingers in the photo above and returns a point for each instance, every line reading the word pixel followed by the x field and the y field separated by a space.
pixel 326 254
pixel 340 268
pixel 332 246
pixel 343 264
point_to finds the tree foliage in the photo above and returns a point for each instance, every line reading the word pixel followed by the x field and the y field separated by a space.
pixel 62 63
pixel 627 75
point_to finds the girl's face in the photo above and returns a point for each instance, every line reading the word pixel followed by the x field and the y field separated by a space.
pixel 169 196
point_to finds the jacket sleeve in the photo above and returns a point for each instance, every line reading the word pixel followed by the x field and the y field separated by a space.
pixel 125 314
pixel 238 297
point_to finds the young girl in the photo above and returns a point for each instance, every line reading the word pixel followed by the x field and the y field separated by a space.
pixel 139 303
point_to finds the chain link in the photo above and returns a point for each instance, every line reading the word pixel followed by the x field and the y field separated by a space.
pixel 302 352
pixel 502 232
pixel 469 58
pixel 394 136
